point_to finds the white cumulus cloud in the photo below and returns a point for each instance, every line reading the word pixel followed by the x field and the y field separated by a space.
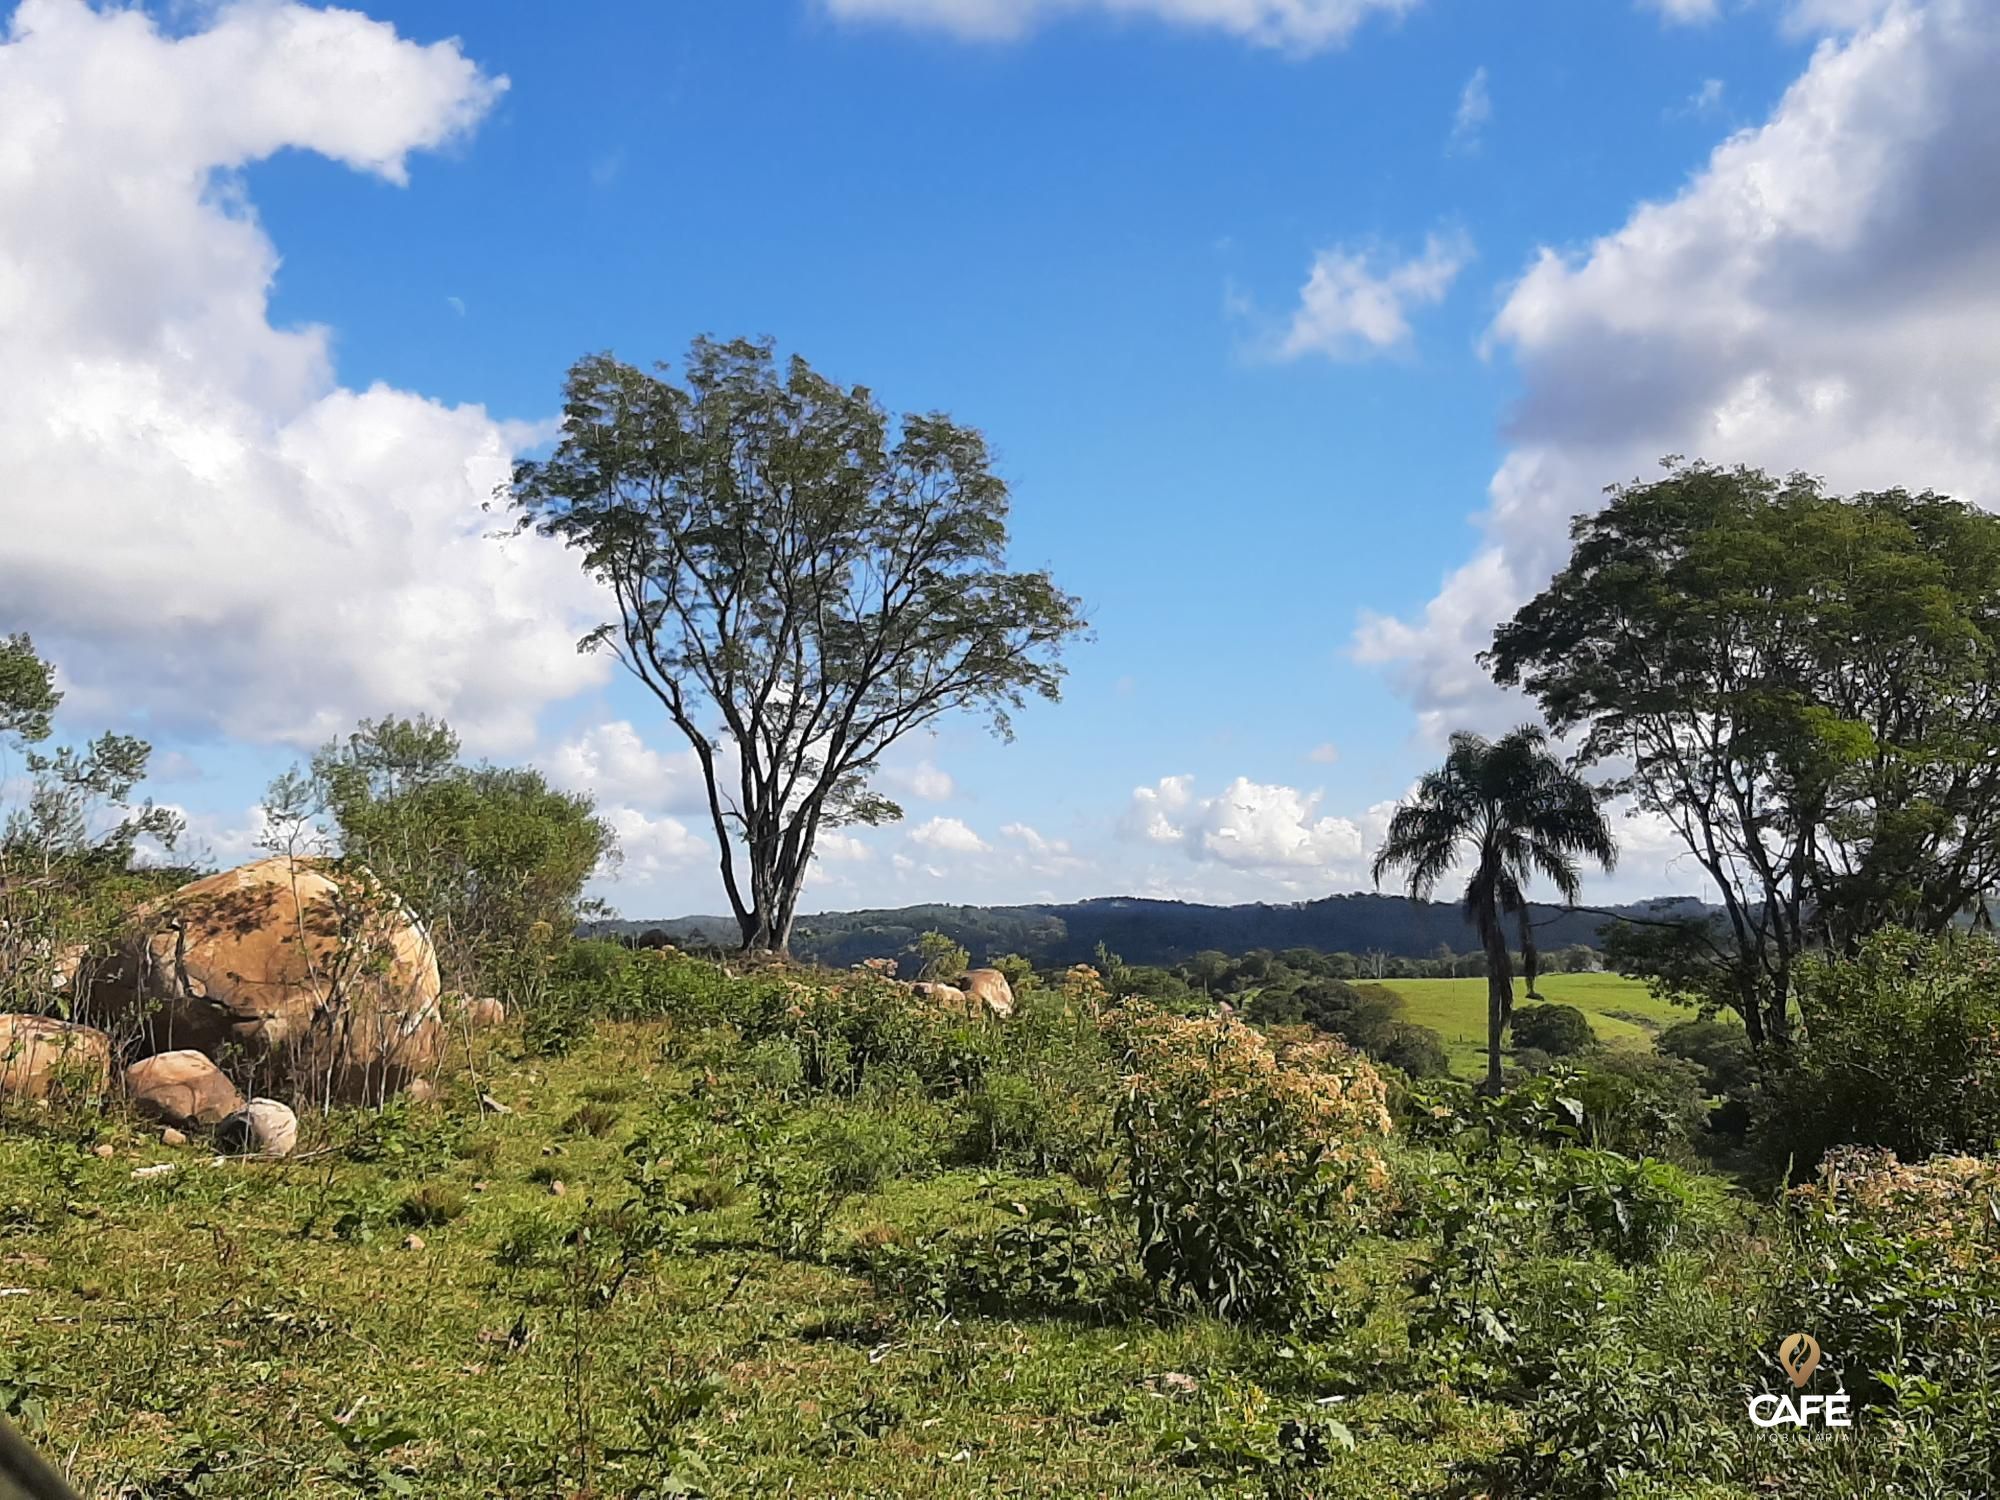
pixel 203 525
pixel 1352 306
pixel 614 764
pixel 947 836
pixel 1823 295
pixel 923 781
pixel 1248 826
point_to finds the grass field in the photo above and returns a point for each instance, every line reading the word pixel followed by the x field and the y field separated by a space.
pixel 412 1314
pixel 1456 1010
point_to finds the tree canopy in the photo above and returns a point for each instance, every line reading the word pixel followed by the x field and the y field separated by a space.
pixel 1805 687
pixel 485 855
pixel 799 580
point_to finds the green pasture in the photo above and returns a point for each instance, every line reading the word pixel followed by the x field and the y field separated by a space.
pixel 1621 1012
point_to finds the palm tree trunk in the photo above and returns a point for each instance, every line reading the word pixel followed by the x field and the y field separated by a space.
pixel 1499 991
pixel 1531 959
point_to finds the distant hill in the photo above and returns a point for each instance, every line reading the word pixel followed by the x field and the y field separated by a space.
pixel 1143 931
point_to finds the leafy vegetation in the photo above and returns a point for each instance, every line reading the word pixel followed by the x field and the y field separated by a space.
pixel 674 1267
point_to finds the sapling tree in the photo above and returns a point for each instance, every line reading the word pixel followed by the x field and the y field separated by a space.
pixel 799 580
pixel 66 843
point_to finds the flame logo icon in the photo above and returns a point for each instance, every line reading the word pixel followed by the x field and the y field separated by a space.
pixel 1799 1354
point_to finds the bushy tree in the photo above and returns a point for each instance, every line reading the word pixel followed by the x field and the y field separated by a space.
pixel 489 857
pixel 1721 1049
pixel 1900 1048
pixel 1559 1030
pixel 1418 1050
pixel 1515 811
pixel 67 843
pixel 1806 688
pixel 940 960
pixel 800 582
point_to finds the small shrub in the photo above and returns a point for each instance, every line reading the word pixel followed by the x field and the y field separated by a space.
pixel 557 1024
pixel 1532 1062
pixel 1252 1160
pixel 1559 1030
pixel 777 1065
pixel 418 1142
pixel 941 960
pixel 1417 1050
pixel 1640 1103
pixel 597 1120
pixel 431 1205
pixel 806 1177
pixel 1053 1257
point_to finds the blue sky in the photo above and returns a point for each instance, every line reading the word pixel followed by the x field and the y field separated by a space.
pixel 1300 327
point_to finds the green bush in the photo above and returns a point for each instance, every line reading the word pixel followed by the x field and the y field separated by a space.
pixel 1900 1048
pixel 1895 1269
pixel 1252 1160
pixel 1046 1100
pixel 807 1174
pixel 1417 1050
pixel 1559 1030
pixel 1051 1258
pixel 1640 1103
pixel 1721 1049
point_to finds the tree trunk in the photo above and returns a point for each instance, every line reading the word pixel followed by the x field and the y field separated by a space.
pixel 1499 994
pixel 1530 958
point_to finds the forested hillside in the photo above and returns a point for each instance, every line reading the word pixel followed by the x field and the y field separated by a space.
pixel 1153 932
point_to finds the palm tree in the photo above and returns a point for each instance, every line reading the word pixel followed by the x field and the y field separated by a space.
pixel 1516 811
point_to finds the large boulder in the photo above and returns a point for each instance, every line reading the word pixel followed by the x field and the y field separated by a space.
pixel 43 1058
pixel 181 1089
pixel 283 971
pixel 989 991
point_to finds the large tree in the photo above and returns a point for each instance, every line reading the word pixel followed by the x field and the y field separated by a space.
pixel 1512 810
pixel 1805 687
pixel 799 580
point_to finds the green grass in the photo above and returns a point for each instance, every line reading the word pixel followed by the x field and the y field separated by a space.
pixel 194 1334
pixel 1456 1010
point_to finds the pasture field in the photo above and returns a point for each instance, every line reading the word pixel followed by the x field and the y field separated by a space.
pixel 406 1308
pixel 684 1244
pixel 1456 1010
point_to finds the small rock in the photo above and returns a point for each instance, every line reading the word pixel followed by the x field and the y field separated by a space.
pixel 493 1106
pixel 413 1242
pixel 481 1186
pixel 158 1169
pixel 106 1151
pixel 556 1188
pixel 420 1091
pixel 172 1137
pixel 486 1013
pixel 263 1127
